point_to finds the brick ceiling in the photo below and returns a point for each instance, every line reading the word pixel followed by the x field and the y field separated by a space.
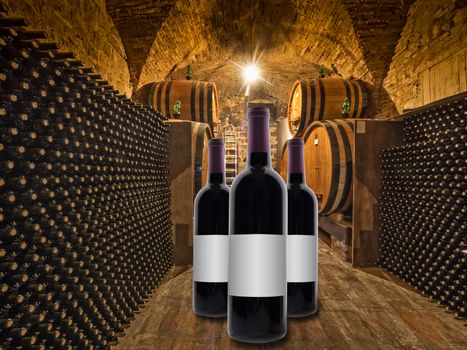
pixel 138 21
pixel 378 24
pixel 358 36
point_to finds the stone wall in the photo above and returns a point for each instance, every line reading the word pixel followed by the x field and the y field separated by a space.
pixel 82 27
pixel 430 58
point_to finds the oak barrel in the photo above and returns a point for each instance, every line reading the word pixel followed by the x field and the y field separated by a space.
pixel 328 163
pixel 199 148
pixel 322 99
pixel 198 99
pixel 284 162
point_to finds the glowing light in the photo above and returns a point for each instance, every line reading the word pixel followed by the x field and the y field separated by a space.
pixel 251 73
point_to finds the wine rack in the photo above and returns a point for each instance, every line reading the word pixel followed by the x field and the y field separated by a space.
pixel 85 226
pixel 423 211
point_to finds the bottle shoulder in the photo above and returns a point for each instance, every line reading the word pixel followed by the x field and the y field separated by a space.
pixel 253 176
pixel 302 190
pixel 212 192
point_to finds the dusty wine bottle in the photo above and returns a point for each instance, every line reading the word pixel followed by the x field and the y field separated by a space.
pixel 302 242
pixel 210 242
pixel 257 302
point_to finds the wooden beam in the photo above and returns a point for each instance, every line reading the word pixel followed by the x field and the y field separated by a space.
pixel 338 230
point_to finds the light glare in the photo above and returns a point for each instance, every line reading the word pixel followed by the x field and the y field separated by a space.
pixel 251 73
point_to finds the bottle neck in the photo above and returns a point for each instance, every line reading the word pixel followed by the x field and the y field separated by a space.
pixel 216 164
pixel 216 178
pixel 296 178
pixel 259 154
pixel 296 161
pixel 259 159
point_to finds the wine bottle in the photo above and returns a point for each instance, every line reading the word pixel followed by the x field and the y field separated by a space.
pixel 257 302
pixel 79 162
pixel 210 242
pixel 302 237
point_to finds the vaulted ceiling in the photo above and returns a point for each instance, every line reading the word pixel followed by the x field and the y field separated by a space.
pixel 358 36
pixel 378 25
pixel 138 22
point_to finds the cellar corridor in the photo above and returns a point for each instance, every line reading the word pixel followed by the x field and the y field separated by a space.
pixel 162 159
pixel 359 309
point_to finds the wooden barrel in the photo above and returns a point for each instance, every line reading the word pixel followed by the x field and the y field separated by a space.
pixel 328 163
pixel 198 99
pixel 199 148
pixel 284 163
pixel 322 99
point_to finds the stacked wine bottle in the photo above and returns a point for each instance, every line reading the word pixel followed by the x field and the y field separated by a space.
pixel 85 229
pixel 423 209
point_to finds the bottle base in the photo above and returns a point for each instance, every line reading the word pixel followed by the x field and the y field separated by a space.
pixel 257 340
pixel 257 319
pixel 210 315
pixel 210 299
pixel 302 314
pixel 302 299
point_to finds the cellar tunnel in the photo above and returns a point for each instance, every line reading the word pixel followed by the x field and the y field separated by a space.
pixel 106 111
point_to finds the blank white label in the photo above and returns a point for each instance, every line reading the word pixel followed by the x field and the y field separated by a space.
pixel 302 258
pixel 257 265
pixel 210 258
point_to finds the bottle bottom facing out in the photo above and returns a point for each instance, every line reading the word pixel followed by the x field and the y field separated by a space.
pixel 210 299
pixel 302 299
pixel 257 320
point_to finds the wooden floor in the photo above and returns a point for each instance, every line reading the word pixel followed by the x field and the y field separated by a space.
pixel 358 310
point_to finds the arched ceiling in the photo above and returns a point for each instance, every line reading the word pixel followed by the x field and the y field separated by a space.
pixel 378 25
pixel 160 37
pixel 284 29
pixel 138 22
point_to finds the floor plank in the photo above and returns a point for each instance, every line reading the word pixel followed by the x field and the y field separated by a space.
pixel 358 309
